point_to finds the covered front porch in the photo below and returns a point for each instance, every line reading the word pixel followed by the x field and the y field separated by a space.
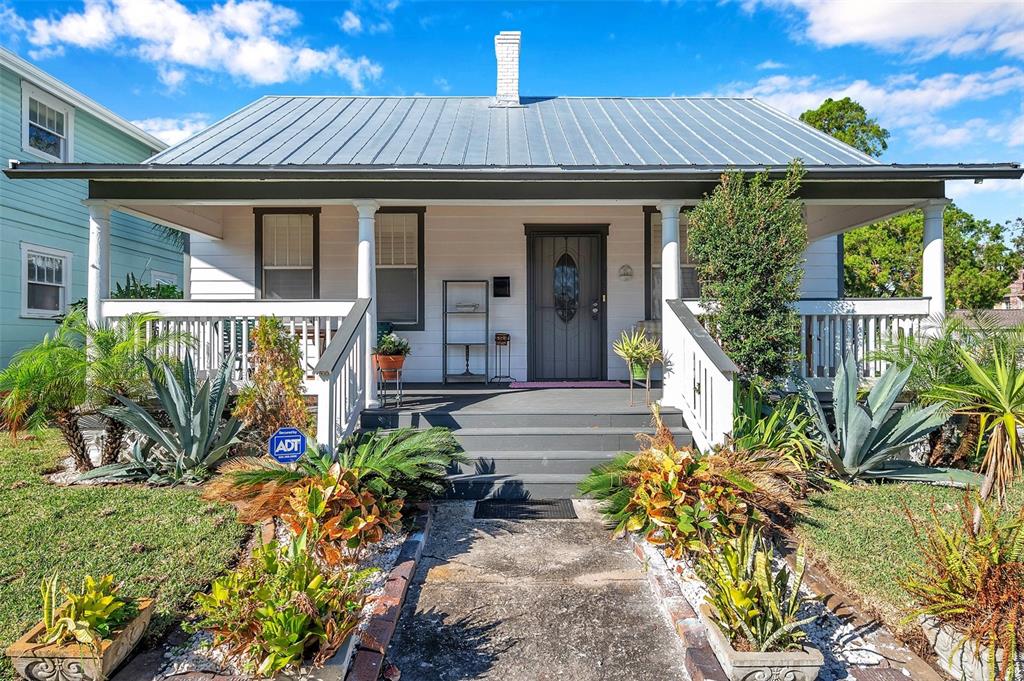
pixel 333 268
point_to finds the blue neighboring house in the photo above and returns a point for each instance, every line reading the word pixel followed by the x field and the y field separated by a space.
pixel 44 225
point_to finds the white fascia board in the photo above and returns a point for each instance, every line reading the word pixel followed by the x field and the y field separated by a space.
pixel 61 90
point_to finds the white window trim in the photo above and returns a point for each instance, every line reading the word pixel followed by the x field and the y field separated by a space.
pixel 28 90
pixel 27 248
pixel 156 276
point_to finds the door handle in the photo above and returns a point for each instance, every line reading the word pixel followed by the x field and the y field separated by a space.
pixel 595 309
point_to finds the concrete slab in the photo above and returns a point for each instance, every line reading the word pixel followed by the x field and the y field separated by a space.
pixel 531 601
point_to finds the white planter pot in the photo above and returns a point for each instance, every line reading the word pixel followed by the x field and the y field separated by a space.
pixel 967 662
pixel 791 665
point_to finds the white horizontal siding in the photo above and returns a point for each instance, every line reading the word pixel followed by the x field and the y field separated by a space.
pixel 821 269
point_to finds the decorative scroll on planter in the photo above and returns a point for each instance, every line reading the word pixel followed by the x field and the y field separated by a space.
pixel 789 665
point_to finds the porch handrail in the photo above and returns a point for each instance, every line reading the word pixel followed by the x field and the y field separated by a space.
pixel 699 377
pixel 341 378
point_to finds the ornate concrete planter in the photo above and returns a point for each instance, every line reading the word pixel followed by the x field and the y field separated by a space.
pixel 333 670
pixel 963 662
pixel 74 661
pixel 792 665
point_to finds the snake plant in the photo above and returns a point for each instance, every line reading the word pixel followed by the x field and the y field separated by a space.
pixel 869 435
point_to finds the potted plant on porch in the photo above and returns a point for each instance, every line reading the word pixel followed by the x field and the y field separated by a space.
pixel 86 637
pixel 639 352
pixel 389 355
pixel 752 613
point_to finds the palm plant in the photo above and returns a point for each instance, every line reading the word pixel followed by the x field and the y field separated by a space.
pixel 994 394
pixel 869 435
pixel 759 425
pixel 196 440
pixel 47 383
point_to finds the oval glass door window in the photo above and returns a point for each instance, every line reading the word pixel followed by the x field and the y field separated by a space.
pixel 567 287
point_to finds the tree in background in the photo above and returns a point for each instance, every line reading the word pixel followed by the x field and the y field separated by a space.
pixel 748 239
pixel 884 259
pixel 848 121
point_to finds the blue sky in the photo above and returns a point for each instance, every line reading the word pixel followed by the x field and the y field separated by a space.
pixel 946 78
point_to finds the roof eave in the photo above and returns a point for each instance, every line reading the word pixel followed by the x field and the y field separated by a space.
pixel 143 172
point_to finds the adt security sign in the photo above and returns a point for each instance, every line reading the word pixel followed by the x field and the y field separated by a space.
pixel 287 445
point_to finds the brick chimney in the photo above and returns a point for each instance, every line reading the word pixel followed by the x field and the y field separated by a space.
pixel 506 49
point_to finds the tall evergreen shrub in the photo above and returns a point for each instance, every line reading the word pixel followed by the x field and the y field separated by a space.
pixel 748 239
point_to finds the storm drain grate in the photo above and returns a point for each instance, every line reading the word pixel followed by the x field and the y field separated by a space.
pixel 511 509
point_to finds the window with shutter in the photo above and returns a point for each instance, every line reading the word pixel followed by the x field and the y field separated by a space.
pixel 399 243
pixel 688 285
pixel 288 259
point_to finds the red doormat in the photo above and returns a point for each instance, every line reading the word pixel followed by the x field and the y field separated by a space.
pixel 567 384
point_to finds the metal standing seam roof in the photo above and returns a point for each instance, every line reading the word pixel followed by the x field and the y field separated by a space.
pixel 471 132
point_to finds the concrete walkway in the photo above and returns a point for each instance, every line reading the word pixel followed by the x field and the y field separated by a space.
pixel 531 601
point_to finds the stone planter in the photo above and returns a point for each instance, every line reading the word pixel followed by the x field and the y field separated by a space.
pixel 963 662
pixel 333 670
pixel 76 661
pixel 791 665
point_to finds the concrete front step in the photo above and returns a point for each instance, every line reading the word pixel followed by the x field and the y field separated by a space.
pixel 518 486
pixel 570 462
pixel 557 438
pixel 626 418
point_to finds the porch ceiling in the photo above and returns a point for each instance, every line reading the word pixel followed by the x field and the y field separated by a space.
pixel 825 220
pixel 204 220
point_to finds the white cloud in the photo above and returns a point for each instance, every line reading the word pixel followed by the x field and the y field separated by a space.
pixel 174 130
pixel 350 22
pixel 171 77
pixel 960 189
pixel 10 21
pixel 926 29
pixel 899 101
pixel 248 39
pixel 770 64
pixel 442 84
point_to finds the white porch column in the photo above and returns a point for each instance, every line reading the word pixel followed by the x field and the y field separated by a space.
pixel 669 254
pixel 933 270
pixel 366 286
pixel 99 260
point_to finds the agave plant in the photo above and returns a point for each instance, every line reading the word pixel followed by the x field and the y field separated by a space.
pixel 868 436
pixel 749 602
pixel 196 440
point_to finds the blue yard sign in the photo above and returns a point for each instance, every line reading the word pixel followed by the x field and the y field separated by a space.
pixel 287 445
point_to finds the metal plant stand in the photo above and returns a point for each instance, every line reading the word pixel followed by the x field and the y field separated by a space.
pixel 389 388
pixel 503 346
pixel 644 383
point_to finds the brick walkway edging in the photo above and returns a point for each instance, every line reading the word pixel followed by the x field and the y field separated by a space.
pixel 698 658
pixel 368 659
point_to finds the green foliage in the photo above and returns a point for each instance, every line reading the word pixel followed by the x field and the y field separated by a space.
pixel 392 344
pixel 848 122
pixel 197 438
pixel 994 393
pixel 748 239
pixel 133 289
pixel 637 349
pixel 755 607
pixel 973 578
pixel 782 427
pixel 269 611
pixel 885 259
pixel 274 398
pixel 931 359
pixel 90 615
pixel 402 462
pixel 868 435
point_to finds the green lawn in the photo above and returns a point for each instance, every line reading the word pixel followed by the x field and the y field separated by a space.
pixel 864 538
pixel 165 543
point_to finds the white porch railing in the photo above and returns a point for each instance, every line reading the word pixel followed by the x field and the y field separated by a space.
pixel 829 329
pixel 698 378
pixel 219 327
pixel 342 378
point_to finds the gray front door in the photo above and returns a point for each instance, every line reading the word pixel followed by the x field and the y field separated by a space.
pixel 566 282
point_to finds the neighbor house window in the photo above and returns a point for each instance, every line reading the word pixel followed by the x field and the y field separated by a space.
pixel 399 241
pixel 46 275
pixel 688 285
pixel 158 278
pixel 46 124
pixel 288 253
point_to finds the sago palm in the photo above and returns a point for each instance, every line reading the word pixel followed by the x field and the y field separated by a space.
pixel 995 395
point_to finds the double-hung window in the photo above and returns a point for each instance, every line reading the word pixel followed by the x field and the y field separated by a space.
pixel 46 275
pixel 399 243
pixel 688 284
pixel 46 125
pixel 288 253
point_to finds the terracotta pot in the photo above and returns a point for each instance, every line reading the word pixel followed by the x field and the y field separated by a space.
pixel 75 661
pixel 389 365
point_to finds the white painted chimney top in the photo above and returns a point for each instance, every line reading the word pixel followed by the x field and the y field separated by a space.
pixel 506 49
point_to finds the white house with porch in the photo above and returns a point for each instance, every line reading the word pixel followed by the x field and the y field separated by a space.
pixel 336 213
